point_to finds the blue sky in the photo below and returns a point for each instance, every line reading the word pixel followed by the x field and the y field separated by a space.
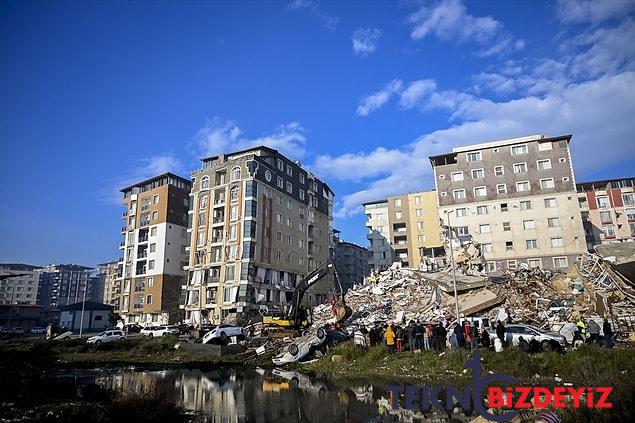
pixel 98 94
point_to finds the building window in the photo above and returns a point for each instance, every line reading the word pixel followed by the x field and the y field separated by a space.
pixel 301 193
pixel 556 243
pixel 512 264
pixel 398 215
pixel 529 224
pixel 481 210
pixel 233 232
pixel 457 176
pixel 525 205
pixel 509 245
pixel 200 237
pixel 519 149
pixel 504 207
pixel 629 199
pixel 155 199
pixel 553 222
pixel 155 215
pixel 421 239
pixel 605 216
pixel 419 212
pixel 279 217
pixel 289 223
pixel 531 244
pixel 202 202
pixel 233 194
pixel 460 212
pixel 153 248
pixel 501 189
pixel 151 264
pixel 484 228
pixel 420 225
pixel 289 187
pixel 289 170
pixel 315 202
pixel 550 202
pixel 205 182
pixel 235 174
pixel 280 182
pixel 480 191
pixel 603 202
pixel 397 202
pixel 417 199
pixel 458 194
pixel 630 214
pixel 522 186
pixel 545 146
pixel 609 231
pixel 278 254
pixel 544 164
pixel 233 212
pixel 507 226
pixel 560 262
pixel 302 178
pixel 474 156
pixel 149 299
pixel 499 171
pixel 487 248
pixel 478 173
pixel 547 183
pixel 632 228
pixel 520 167
pixel 462 230
pixel 153 231
pixel 534 263
pixel 280 165
pixel 491 266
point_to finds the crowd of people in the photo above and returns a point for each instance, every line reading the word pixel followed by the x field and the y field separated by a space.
pixel 418 335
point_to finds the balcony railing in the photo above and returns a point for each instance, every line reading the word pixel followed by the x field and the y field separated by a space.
pixel 143 238
pixel 219 219
pixel 120 260
pixel 124 214
pixel 123 229
pixel 122 243
pixel 142 254
pixel 146 207
pixel 144 223
pixel 140 271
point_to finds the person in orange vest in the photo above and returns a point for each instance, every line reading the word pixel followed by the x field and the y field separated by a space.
pixel 390 338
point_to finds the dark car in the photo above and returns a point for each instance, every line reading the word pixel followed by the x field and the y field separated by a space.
pixel 131 328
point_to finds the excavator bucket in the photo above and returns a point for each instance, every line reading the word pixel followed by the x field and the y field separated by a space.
pixel 343 313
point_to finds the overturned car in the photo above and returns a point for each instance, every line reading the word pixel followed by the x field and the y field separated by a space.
pixel 300 348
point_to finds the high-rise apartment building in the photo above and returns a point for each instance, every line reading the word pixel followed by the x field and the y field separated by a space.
pixel 259 222
pixel 20 289
pixel 62 284
pixel 403 228
pixel 108 273
pixel 608 210
pixel 516 197
pixel 352 263
pixel 154 246
pixel 377 225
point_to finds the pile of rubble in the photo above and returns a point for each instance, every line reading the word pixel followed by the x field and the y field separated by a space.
pixel 541 297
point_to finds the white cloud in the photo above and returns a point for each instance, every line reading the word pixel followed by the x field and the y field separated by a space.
pixel 413 94
pixel 593 11
pixel 449 20
pixel 355 167
pixel 374 101
pixel 598 113
pixel 329 22
pixel 221 136
pixel 365 40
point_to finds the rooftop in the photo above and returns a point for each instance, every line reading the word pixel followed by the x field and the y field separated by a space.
pixel 89 305
pixel 155 178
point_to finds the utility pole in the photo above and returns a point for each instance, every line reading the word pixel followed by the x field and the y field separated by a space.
pixel 456 297
pixel 81 320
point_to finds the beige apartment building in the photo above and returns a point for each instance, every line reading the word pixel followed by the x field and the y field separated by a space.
pixel 516 197
pixel 108 273
pixel 20 289
pixel 608 210
pixel 404 228
pixel 259 222
pixel 154 250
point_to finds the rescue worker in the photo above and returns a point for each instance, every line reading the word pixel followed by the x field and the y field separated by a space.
pixel 389 336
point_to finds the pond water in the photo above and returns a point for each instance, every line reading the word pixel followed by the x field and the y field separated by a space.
pixel 255 395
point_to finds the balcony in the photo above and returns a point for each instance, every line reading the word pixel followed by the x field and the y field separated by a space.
pixel 124 214
pixel 218 219
pixel 142 254
pixel 122 244
pixel 216 239
pixel 124 229
pixel 120 260
pixel 146 207
pixel 143 238
pixel 144 223
pixel 141 271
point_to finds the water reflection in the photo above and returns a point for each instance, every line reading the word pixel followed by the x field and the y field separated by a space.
pixel 259 395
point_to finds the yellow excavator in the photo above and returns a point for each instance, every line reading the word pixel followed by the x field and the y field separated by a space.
pixel 296 316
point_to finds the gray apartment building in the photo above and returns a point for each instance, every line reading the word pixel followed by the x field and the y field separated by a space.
pixel 352 263
pixel 62 284
pixel 259 222
pixel 516 197
pixel 21 289
pixel 378 234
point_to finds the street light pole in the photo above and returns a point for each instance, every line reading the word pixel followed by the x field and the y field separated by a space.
pixel 456 297
pixel 81 320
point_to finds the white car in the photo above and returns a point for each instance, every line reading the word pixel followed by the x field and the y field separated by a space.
pixel 300 348
pixel 106 336
pixel 223 333
pixel 153 331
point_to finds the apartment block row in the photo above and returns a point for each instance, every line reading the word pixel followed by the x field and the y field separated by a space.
pixel 516 197
pixel 235 238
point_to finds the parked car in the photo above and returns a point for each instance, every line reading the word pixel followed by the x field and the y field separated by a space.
pixel 223 333
pixel 13 331
pixel 106 336
pixel 38 330
pixel 131 328
pixel 548 340
pixel 153 331
pixel 300 348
